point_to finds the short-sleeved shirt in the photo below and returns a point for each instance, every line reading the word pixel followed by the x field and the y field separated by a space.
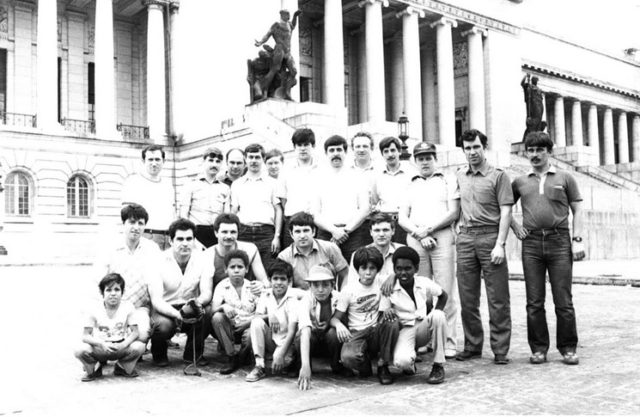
pixel 243 304
pixel 389 189
pixel 481 194
pixel 310 308
pixel 157 197
pixel 428 198
pixel 256 198
pixel 111 329
pixel 361 304
pixel 205 200
pixel 178 287
pixel 407 310
pixel 546 200
pixel 298 188
pixel 385 271
pixel 321 253
pixel 286 311
pixel 219 271
pixel 339 195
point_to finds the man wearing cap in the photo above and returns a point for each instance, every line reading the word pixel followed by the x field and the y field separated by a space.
pixel 315 335
pixel 485 201
pixel 427 213
pixel 206 197
pixel 236 166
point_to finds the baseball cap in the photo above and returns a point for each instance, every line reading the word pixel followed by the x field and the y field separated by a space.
pixel 423 148
pixel 319 273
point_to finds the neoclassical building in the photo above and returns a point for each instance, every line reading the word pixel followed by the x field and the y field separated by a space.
pixel 86 84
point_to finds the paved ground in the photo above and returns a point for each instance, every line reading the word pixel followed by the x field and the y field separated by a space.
pixel 41 319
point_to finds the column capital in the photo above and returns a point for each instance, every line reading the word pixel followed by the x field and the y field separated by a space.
pixel 25 6
pixel 174 6
pixel 410 10
pixel 444 21
pixel 362 3
pixel 476 30
pixel 154 3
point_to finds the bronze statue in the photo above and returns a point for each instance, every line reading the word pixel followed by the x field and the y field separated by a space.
pixel 282 63
pixel 535 106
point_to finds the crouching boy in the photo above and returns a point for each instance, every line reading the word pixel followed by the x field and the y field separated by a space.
pixel 109 333
pixel 274 326
pixel 234 305
pixel 365 335
pixel 408 303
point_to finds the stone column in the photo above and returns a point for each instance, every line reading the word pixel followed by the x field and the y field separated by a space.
pixel 333 68
pixel 636 138
pixel 47 64
pixel 576 124
pixel 594 141
pixel 156 104
pixel 175 118
pixel 429 128
pixel 558 113
pixel 446 90
pixel 477 115
pixel 607 127
pixel 623 138
pixel 363 116
pixel 375 59
pixel 105 115
pixel 394 82
pixel 411 67
pixel 292 6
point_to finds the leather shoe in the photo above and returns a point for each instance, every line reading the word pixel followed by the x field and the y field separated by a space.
pixel 437 374
pixel 466 355
pixel 500 359
pixel 538 358
pixel 384 376
pixel 230 366
pixel 570 358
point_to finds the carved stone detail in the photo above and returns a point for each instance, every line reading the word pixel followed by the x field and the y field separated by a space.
pixel 4 21
pixel 306 45
pixel 460 59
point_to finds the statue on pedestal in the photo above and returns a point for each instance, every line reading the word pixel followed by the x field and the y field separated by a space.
pixel 535 106
pixel 273 73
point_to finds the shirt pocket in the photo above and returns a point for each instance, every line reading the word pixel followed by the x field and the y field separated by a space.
pixel 558 193
pixel 485 194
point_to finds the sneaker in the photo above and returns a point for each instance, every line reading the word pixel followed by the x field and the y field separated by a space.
pixel 538 358
pixel 466 355
pixel 500 359
pixel 437 374
pixel 256 374
pixel 119 371
pixel 230 366
pixel 97 373
pixel 570 358
pixel 449 353
pixel 384 376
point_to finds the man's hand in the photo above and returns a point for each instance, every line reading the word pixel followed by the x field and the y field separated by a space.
pixel 387 285
pixel 519 230
pixel 422 232
pixel 429 242
pixel 304 378
pixel 497 255
pixel 229 311
pixel 274 324
pixel 578 250
pixel 275 245
pixel 278 361
pixel 344 335
pixel 256 287
pixel 389 315
pixel 339 236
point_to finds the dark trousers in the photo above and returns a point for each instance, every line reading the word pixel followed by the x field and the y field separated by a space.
pixel 205 235
pixel 379 340
pixel 286 238
pixel 542 253
pixel 357 238
pixel 262 236
pixel 474 257
pixel 322 344
pixel 163 328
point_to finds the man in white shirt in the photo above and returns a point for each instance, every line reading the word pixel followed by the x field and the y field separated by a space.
pixel 154 193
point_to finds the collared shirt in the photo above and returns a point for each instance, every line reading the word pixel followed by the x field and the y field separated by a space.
pixel 408 312
pixel 256 198
pixel 361 304
pixel 158 198
pixel 546 201
pixel 339 195
pixel 310 308
pixel 389 189
pixel 137 268
pixel 178 287
pixel 219 271
pixel 244 304
pixel 428 198
pixel 481 194
pixel 298 188
pixel 385 271
pixel 322 252
pixel 203 200
pixel 285 311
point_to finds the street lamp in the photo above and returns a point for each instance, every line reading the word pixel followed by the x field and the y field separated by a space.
pixel 403 135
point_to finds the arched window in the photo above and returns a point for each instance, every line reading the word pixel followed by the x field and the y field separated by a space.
pixel 18 191
pixel 78 201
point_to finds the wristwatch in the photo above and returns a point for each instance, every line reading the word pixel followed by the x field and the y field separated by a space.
pixel 577 239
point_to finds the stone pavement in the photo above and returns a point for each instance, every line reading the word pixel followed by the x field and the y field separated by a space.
pixel 41 318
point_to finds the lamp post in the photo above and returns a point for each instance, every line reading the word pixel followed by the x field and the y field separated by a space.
pixel 403 135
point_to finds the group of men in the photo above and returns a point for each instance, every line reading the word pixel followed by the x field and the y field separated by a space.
pixel 355 262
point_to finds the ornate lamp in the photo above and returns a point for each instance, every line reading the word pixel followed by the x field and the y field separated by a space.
pixel 403 135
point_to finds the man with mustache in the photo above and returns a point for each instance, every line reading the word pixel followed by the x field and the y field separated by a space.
pixel 547 195
pixel 206 197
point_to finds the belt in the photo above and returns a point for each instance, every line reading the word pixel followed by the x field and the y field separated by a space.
pixel 255 224
pixel 156 232
pixel 547 232
pixel 478 230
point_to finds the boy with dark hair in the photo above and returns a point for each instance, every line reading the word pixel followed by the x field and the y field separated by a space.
pixel 234 307
pixel 273 329
pixel 365 336
pixel 110 333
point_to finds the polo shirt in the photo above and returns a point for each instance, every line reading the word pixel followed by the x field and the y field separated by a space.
pixel 219 271
pixel 481 194
pixel 339 195
pixel 546 200
pixel 157 197
pixel 309 313
pixel 389 189
pixel 428 198
pixel 178 288
pixel 361 304
pixel 298 188
pixel 203 200
pixel 255 198
pixel 407 311
pixel 243 304
pixel 286 311
pixel 322 252
pixel 385 271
